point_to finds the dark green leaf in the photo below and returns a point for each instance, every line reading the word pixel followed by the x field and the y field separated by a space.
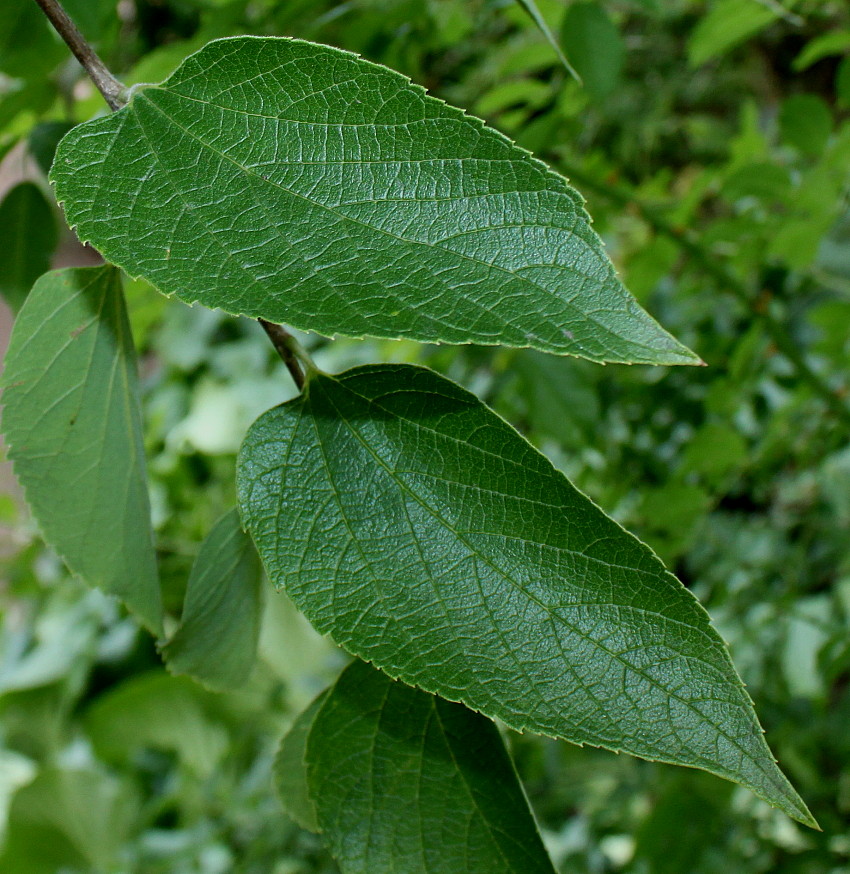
pixel 216 642
pixel 425 535
pixel 73 425
pixel 43 140
pixel 594 45
pixel 806 123
pixel 403 781
pixel 27 239
pixel 299 183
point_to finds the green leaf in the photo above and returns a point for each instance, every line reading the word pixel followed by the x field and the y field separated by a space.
pixel 805 122
pixel 216 642
pixel 299 183
pixel 73 425
pixel 290 768
pixel 530 6
pixel 593 42
pixel 727 23
pixel 43 140
pixel 406 782
pixel 28 237
pixel 425 535
pixel 835 42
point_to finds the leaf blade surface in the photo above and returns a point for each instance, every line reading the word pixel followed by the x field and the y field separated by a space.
pixel 299 183
pixel 425 535
pixel 404 781
pixel 73 423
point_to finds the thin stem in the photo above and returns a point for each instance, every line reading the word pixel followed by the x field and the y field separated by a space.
pixel 725 278
pixel 297 360
pixel 112 90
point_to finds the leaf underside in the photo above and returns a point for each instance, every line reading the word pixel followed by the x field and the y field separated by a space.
pixel 299 183
pixel 216 642
pixel 404 781
pixel 73 425
pixel 426 536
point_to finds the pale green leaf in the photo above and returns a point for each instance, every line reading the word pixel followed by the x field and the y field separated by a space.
pixel 73 425
pixel 406 782
pixel 28 237
pixel 425 535
pixel 299 183
pixel 290 769
pixel 216 642
pixel 727 23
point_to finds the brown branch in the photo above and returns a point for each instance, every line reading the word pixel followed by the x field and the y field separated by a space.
pixel 284 342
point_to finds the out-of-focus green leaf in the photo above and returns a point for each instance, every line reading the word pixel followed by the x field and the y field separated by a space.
pixel 805 123
pixel 216 642
pixel 530 6
pixel 835 42
pixel 73 425
pixel 290 768
pixel 322 190
pixel 28 47
pixel 727 23
pixel 404 781
pixel 43 140
pixel 477 571
pixel 68 819
pixel 157 711
pixel 595 47
pixel 842 82
pixel 28 237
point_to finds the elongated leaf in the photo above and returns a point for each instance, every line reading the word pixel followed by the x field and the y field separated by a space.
pixel 290 768
pixel 27 239
pixel 296 182
pixel 530 6
pixel 404 781
pixel 425 535
pixel 595 46
pixel 73 425
pixel 216 642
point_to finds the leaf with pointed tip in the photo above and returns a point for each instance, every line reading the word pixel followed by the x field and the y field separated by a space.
pixel 299 183
pixel 425 535
pixel 216 642
pixel 534 13
pixel 28 237
pixel 403 781
pixel 73 425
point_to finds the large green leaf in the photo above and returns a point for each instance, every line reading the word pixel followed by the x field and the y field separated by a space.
pixel 216 642
pixel 73 425
pixel 299 183
pixel 406 782
pixel 425 535
pixel 28 237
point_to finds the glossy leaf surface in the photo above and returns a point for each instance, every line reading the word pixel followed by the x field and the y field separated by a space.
pixel 404 781
pixel 216 642
pixel 299 183
pixel 73 425
pixel 425 535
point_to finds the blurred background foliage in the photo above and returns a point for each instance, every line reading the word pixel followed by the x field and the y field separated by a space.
pixel 712 141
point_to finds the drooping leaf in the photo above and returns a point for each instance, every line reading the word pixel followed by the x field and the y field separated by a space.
pixel 73 425
pixel 530 6
pixel 595 46
pixel 299 183
pixel 425 535
pixel 216 642
pixel 290 768
pixel 27 240
pixel 404 781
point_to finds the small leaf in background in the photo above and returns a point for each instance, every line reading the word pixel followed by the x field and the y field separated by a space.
pixel 299 183
pixel 43 140
pixel 842 83
pixel 836 42
pixel 536 16
pixel 28 236
pixel 727 23
pixel 73 425
pixel 424 534
pixel 216 642
pixel 805 123
pixel 290 768
pixel 595 47
pixel 403 781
